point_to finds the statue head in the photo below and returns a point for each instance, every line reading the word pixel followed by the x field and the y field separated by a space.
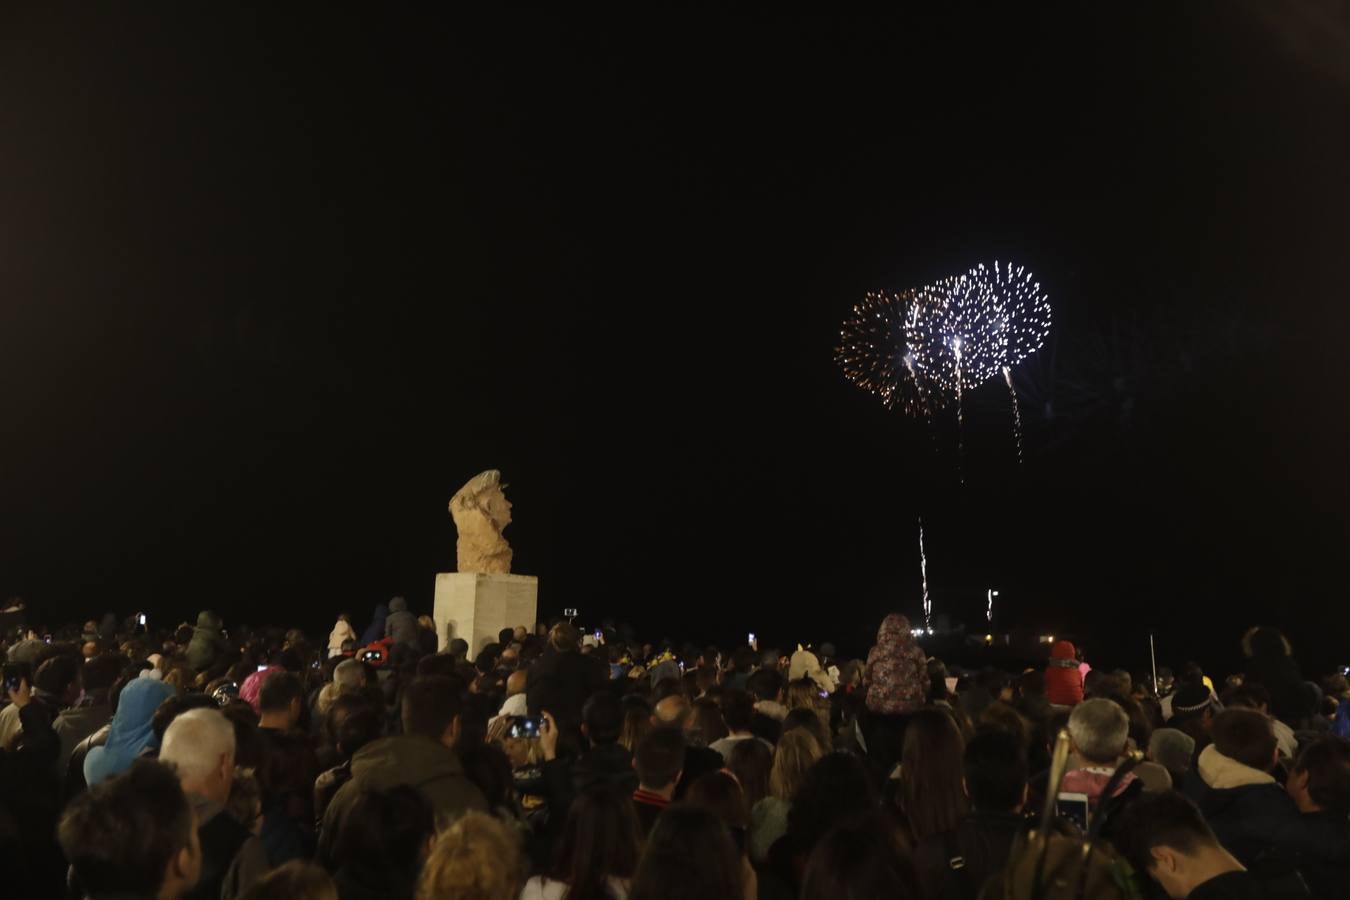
pixel 481 511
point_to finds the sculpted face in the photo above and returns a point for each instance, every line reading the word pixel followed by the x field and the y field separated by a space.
pixel 497 507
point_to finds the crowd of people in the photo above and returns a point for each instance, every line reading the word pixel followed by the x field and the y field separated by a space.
pixel 548 764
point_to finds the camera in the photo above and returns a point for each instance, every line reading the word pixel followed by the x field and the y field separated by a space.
pixel 375 657
pixel 569 613
pixel 525 727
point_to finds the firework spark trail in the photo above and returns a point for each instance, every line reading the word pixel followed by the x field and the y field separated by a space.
pixel 923 575
pixel 1017 411
pixel 875 354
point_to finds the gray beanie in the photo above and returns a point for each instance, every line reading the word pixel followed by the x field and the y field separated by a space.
pixel 1171 749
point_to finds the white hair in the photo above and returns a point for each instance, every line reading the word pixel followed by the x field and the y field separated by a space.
pixel 1100 729
pixel 195 742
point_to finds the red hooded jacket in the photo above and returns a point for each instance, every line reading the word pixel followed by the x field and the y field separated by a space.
pixel 1063 680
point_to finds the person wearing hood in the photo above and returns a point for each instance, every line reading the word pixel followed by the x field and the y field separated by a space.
pixel 131 731
pixel 1063 678
pixel 208 641
pixel 805 664
pixel 375 630
pixel 422 757
pixel 341 633
pixel 897 685
pixel 401 625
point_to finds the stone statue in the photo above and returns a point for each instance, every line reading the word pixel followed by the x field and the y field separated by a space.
pixel 481 512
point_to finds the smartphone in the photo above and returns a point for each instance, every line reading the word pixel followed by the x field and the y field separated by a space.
pixel 1074 808
pixel 824 695
pixel 140 619
pixel 47 638
pixel 525 727
pixel 570 613
pixel 372 656
pixel 750 638
pixel 262 668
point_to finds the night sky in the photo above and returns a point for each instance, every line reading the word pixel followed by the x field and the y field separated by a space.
pixel 274 285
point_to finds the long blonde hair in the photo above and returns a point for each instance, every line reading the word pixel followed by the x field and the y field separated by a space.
pixel 476 858
pixel 797 752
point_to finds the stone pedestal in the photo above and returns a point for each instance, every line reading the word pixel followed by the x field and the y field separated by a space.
pixel 477 607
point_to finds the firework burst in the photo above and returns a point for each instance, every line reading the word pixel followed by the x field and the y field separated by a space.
pixel 875 353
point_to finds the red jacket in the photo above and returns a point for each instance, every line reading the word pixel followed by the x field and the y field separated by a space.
pixel 1063 680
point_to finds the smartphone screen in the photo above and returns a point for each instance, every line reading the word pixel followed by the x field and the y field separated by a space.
pixel 527 727
pixel 1074 808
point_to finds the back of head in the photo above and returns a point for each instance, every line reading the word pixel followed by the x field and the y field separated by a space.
pixel 175 706
pixel 720 794
pixel 600 841
pixel 659 758
pixel 930 773
pixel 995 768
pixel 1099 729
pixel 738 707
pixel 430 706
pixel 58 674
pixel 689 853
pixel 358 728
pixel 477 858
pixel 602 715
pixel 1171 749
pixel 1160 820
pixel 279 691
pixel 1245 735
pixel 860 859
pixel 797 752
pixel 101 671
pixel 564 637
pixel 196 741
pixel 1327 763
pixel 834 789
pixel 386 830
pixel 121 835
pixel 298 879
pixel 765 684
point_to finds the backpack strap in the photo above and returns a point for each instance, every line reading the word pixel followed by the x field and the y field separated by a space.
pixel 1107 795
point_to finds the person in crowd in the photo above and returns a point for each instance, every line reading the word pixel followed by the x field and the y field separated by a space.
pixel 1099 731
pixel 861 859
pixel 751 762
pixel 1319 784
pixel 342 633
pixel 290 768
pixel 383 844
pixel 349 677
pixel 130 732
pixel 245 800
pixel 1249 812
pixel 637 721
pixel 1063 679
pixel 659 762
pixel 707 726
pixel 1269 661
pixel 797 752
pixel 207 646
pixel 690 853
pixel 720 793
pixel 602 761
pixel 476 858
pixel 297 880
pixel 1165 836
pixel 199 744
pixel 1173 750
pixel 597 853
pixel 132 835
pixel 738 709
pixel 422 756
pixel 838 787
pixel 400 626
pixel 931 794
pixel 896 679
pixel 361 725
pixel 93 710
pixel 564 678
pixel 1255 696
pixel 428 642
pixel 675 712
pixel 806 665
pixel 30 799
pixel 516 704
pixel 954 864
pixel 57 685
pixel 375 630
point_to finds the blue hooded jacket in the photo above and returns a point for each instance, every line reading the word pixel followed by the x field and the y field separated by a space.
pixel 130 732
pixel 375 631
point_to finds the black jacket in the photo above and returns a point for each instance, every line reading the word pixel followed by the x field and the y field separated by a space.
pixel 560 683
pixel 982 842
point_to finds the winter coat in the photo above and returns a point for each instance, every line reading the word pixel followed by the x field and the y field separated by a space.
pixel 1250 813
pixel 401 625
pixel 342 631
pixel 410 759
pixel 208 642
pixel 896 674
pixel 375 630
pixel 1063 679
pixel 130 732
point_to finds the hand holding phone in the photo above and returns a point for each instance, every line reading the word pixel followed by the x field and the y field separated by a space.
pixel 548 736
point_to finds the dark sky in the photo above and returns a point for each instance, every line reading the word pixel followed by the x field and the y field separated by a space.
pixel 273 285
